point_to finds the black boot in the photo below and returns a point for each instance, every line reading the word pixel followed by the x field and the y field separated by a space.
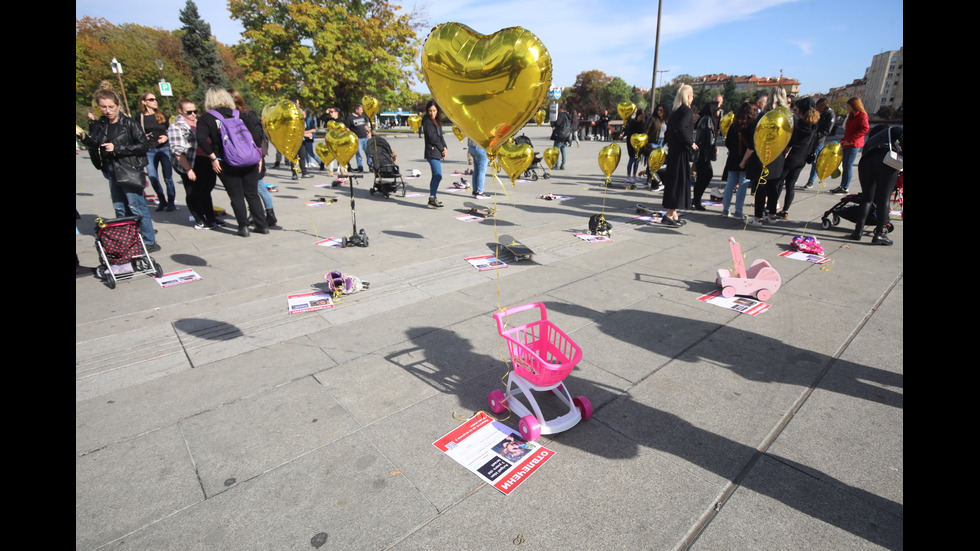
pixel 880 239
pixel 270 217
pixel 863 212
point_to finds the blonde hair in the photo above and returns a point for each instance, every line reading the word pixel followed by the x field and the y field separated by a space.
pixel 779 98
pixel 683 93
pixel 217 97
pixel 105 91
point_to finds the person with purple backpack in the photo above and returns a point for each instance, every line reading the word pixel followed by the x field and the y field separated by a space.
pixel 231 145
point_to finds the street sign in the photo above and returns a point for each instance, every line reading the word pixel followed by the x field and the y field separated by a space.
pixel 165 89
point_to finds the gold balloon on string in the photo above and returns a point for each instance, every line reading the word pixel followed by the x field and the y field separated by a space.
pixel 829 159
pixel 489 85
pixel 638 141
pixel 656 160
pixel 414 122
pixel 371 106
pixel 458 133
pixel 322 151
pixel 772 135
pixel 336 125
pixel 540 116
pixel 284 124
pixel 726 123
pixel 97 111
pixel 626 109
pixel 609 159
pixel 550 157
pixel 515 159
pixel 342 145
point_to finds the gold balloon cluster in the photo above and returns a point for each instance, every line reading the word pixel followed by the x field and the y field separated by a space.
pixel 489 85
pixel 283 123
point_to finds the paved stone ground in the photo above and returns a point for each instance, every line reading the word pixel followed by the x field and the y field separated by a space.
pixel 209 418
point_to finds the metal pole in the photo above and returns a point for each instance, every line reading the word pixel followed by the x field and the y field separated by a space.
pixel 656 52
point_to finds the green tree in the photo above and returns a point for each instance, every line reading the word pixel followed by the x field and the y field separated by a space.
pixel 616 92
pixel 586 95
pixel 200 51
pixel 327 52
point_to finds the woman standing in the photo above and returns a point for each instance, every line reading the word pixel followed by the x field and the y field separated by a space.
pixel 774 172
pixel 435 150
pixel 241 182
pixel 252 119
pixel 658 126
pixel 116 140
pixel 738 142
pixel 636 125
pixel 805 121
pixel 192 166
pixel 154 124
pixel 878 180
pixel 707 151
pixel 680 142
pixel 855 128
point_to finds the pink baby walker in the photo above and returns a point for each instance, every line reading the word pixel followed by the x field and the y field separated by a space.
pixel 542 356
pixel 761 280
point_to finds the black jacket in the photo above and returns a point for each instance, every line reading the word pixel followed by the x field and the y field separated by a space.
pixel 130 142
pixel 434 144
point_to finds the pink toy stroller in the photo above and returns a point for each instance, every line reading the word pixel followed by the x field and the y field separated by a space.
pixel 761 280
pixel 542 356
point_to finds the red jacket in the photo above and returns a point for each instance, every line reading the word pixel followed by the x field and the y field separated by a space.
pixel 855 128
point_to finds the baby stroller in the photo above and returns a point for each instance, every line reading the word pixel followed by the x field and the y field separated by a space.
pixel 849 208
pixel 531 172
pixel 542 356
pixel 387 177
pixel 122 251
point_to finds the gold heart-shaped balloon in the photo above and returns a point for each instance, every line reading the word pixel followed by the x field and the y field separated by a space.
pixel 414 122
pixel 540 116
pixel 829 159
pixel 772 135
pixel 490 85
pixel 322 151
pixel 609 159
pixel 336 125
pixel 342 144
pixel 458 132
pixel 515 159
pixel 638 141
pixel 371 106
pixel 726 123
pixel 656 160
pixel 550 156
pixel 283 123
pixel 95 109
pixel 626 109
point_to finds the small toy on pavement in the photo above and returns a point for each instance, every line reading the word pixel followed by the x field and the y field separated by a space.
pixel 761 280
pixel 808 244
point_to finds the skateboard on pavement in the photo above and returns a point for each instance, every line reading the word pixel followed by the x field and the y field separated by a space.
pixel 516 248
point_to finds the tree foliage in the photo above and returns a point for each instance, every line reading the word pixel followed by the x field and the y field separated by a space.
pixel 200 51
pixel 327 51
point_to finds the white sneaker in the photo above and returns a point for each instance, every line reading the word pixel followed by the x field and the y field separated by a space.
pixel 754 221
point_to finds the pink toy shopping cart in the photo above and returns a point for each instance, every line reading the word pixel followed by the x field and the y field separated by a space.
pixel 542 357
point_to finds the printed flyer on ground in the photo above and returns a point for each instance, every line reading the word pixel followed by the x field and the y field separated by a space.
pixel 744 305
pixel 805 257
pixel 486 262
pixel 494 452
pixel 308 302
pixel 176 278
pixel 589 238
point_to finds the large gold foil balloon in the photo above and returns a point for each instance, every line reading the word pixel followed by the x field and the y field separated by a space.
pixel 515 159
pixel 550 156
pixel 414 122
pixel 829 159
pixel 626 109
pixel 370 107
pixel 540 116
pixel 322 151
pixel 726 123
pixel 335 125
pixel 609 159
pixel 283 123
pixel 490 85
pixel 458 132
pixel 656 160
pixel 772 135
pixel 342 144
pixel 638 141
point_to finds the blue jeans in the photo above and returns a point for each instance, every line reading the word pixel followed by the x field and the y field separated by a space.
pixel 130 203
pixel 362 146
pixel 850 155
pixel 735 178
pixel 561 149
pixel 479 167
pixel 161 156
pixel 265 195
pixel 436 166
pixel 813 167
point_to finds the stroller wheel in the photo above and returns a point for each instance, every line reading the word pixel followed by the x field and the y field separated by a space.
pixel 343 241
pixel 159 268
pixel 836 219
pixel 889 227
pixel 825 223
pixel 100 272
pixel 498 402
pixel 372 191
pixel 530 429
pixel 547 176
pixel 534 176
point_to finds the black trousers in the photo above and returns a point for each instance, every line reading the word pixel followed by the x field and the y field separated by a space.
pixel 241 185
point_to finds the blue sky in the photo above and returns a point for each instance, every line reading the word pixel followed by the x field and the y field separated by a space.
pixel 821 43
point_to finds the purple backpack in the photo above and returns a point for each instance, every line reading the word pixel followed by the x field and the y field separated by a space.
pixel 240 149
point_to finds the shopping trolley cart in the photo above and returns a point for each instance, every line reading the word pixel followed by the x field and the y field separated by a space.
pixel 542 357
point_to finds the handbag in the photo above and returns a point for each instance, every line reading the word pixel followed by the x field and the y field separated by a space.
pixel 130 178
pixel 894 158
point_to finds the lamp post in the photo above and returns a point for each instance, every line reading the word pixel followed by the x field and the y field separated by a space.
pixel 163 82
pixel 117 68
